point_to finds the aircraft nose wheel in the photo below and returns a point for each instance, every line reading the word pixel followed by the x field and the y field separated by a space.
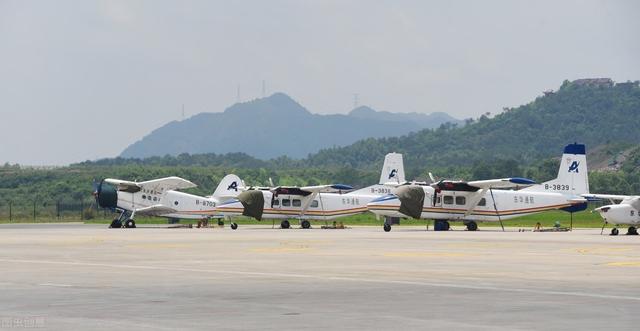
pixel 305 224
pixel 234 226
pixel 115 224
pixel 387 227
pixel 285 224
pixel 130 223
pixel 632 231
pixel 614 232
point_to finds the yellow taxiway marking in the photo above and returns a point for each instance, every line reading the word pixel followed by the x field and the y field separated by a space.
pixel 602 250
pixel 624 264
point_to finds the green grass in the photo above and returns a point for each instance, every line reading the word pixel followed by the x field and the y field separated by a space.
pixel 583 219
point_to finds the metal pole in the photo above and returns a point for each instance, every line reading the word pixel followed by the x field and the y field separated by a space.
pixel 81 210
pixel 34 211
pixel 10 211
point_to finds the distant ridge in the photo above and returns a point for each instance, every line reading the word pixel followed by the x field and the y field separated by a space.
pixel 275 126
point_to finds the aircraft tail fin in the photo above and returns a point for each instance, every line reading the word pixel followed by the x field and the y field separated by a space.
pixel 572 175
pixel 392 169
pixel 230 186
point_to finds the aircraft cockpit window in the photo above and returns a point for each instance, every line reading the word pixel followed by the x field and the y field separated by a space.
pixel 461 200
pixel 297 203
pixel 276 202
pixel 314 204
pixel 286 202
pixel 448 200
pixel 483 202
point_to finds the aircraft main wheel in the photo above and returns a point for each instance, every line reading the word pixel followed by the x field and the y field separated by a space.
pixel 234 226
pixel 305 224
pixel 130 224
pixel 472 226
pixel 115 224
pixel 614 232
pixel 632 231
pixel 285 224
pixel 220 223
pixel 446 226
pixel 387 227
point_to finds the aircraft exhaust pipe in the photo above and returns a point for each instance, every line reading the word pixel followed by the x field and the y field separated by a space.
pixel 411 200
pixel 253 203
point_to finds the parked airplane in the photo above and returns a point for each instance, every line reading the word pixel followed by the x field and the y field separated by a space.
pixel 488 200
pixel 322 202
pixel 627 211
pixel 160 197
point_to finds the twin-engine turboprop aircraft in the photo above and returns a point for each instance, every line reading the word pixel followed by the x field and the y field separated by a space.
pixel 322 202
pixel 487 200
pixel 160 197
pixel 625 212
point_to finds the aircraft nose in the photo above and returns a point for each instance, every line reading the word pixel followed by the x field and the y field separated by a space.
pixel 231 208
pixel 388 202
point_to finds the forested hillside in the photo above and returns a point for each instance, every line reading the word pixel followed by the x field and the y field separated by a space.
pixel 523 141
pixel 526 134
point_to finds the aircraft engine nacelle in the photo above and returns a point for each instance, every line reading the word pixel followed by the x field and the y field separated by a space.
pixel 411 200
pixel 619 214
pixel 253 203
pixel 106 196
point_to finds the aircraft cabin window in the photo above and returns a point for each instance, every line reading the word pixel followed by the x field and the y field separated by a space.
pixel 314 204
pixel 155 199
pixel 483 202
pixel 175 203
pixel 286 202
pixel 276 202
pixel 144 197
pixel 297 203
pixel 448 200
pixel 461 200
pixel 632 213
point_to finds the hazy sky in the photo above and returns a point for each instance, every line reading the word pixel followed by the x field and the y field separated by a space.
pixel 83 79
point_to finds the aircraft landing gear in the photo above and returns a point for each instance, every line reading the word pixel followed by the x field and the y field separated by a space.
pixel 387 227
pixel 441 225
pixel 130 224
pixel 115 224
pixel 234 226
pixel 472 226
pixel 285 224
pixel 305 224
pixel 614 231
pixel 632 231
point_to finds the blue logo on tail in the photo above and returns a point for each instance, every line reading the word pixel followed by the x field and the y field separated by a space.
pixel 574 166
pixel 393 173
pixel 233 186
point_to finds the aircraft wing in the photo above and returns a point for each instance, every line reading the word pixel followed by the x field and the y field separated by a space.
pixel 161 184
pixel 501 183
pixel 155 210
pixel 307 190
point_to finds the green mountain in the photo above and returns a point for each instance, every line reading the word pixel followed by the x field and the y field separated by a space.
pixel 589 114
pixel 275 126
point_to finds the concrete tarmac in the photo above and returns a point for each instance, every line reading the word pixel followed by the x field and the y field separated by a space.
pixel 88 277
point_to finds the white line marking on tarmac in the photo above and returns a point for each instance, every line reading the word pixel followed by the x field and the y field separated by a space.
pixel 324 278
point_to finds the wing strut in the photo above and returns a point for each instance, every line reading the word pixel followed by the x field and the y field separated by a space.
pixel 496 208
